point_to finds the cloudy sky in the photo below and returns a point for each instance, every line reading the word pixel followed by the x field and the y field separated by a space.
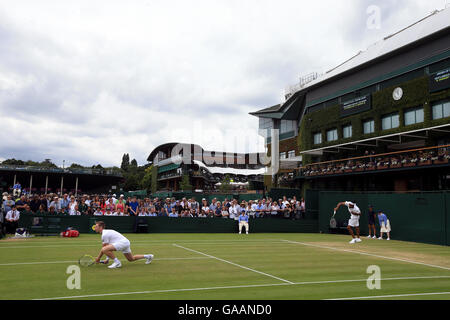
pixel 87 81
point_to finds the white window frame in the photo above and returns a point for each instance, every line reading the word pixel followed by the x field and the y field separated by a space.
pixel 335 136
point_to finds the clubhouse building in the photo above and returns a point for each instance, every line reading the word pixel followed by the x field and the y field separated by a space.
pixel 379 121
pixel 206 170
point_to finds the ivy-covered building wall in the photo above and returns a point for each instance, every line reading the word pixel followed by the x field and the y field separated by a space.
pixel 415 94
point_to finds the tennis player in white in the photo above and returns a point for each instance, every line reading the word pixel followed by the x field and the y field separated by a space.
pixel 114 241
pixel 354 219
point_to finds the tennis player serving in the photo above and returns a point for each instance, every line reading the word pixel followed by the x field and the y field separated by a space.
pixel 354 219
pixel 114 241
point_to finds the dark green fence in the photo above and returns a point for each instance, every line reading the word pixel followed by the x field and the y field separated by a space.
pixel 419 217
pixel 46 224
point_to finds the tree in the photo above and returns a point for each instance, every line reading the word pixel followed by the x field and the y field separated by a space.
pixel 76 166
pixel 133 163
pixel 131 182
pixel 146 182
pixel 125 162
pixel 13 162
pixel 185 185
pixel 225 187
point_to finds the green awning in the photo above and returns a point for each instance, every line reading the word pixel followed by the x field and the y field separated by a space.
pixel 169 167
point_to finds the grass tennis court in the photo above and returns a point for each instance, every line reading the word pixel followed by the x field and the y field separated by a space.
pixel 227 266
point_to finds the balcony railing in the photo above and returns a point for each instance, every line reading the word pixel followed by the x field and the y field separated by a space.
pixel 439 155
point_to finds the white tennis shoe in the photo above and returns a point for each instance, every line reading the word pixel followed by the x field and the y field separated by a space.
pixel 358 240
pixel 149 259
pixel 374 237
pixel 353 241
pixel 115 265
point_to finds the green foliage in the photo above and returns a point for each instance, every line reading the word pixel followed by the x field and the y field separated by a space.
pixel 44 164
pixel 76 166
pixel 154 186
pixel 185 184
pixel 226 184
pixel 125 162
pixel 146 181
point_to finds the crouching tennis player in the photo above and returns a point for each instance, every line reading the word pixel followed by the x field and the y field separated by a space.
pixel 114 241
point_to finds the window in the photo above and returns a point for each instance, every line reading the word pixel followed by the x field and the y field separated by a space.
pixel 291 154
pixel 318 138
pixel 369 126
pixel 332 135
pixel 413 116
pixel 265 125
pixel 282 155
pixel 287 126
pixel 441 110
pixel 390 121
pixel 347 131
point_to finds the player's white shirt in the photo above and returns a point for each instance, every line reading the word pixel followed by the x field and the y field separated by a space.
pixel 112 236
pixel 353 210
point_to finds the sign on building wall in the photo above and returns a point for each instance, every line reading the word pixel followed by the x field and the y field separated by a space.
pixel 356 105
pixel 440 80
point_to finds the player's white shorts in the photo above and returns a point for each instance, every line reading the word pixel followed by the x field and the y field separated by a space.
pixel 353 222
pixel 123 246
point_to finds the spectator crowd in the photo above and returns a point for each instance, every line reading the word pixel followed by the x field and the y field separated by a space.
pixel 110 205
pixel 370 161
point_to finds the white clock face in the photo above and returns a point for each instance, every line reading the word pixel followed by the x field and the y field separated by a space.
pixel 397 94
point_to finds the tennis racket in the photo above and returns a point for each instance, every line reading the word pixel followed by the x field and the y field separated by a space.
pixel 86 260
pixel 333 223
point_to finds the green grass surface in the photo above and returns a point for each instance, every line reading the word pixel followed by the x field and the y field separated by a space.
pixel 227 267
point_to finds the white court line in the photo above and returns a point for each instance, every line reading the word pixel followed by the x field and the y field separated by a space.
pixel 170 241
pixel 133 243
pixel 76 261
pixel 235 287
pixel 367 254
pixel 234 264
pixel 393 296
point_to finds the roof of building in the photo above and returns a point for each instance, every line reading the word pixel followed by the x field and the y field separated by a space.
pixel 433 23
